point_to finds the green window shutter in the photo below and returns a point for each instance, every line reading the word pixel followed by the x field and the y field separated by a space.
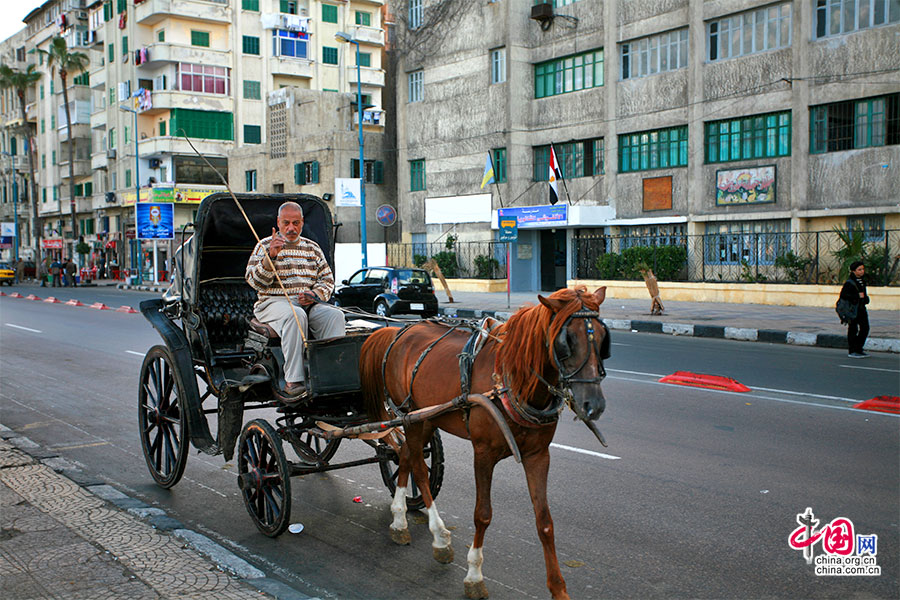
pixel 89 190
pixel 51 87
pixel 124 44
pixel 161 35
pixel 121 6
pixel 314 172
pixel 127 177
pixel 288 7
pixel 200 38
pixel 365 59
pixel 363 18
pixel 251 44
pixel 43 194
pixel 251 90
pixel 111 52
pixel 250 5
pixel 112 96
pixel 53 158
pixel 13 146
pixel 329 13
pixel 107 10
pixel 252 134
pixel 42 91
pixel 298 170
pixel 43 161
pixel 354 168
pixel 42 129
pixel 79 191
pixel 52 121
pixel 379 172
pixel 162 128
pixel 329 54
pixel 202 124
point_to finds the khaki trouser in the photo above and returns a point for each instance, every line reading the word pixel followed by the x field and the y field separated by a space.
pixel 324 320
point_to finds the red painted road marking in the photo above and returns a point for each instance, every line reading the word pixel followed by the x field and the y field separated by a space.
pixel 886 404
pixel 715 382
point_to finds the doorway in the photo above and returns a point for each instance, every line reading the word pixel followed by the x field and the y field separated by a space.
pixel 553 259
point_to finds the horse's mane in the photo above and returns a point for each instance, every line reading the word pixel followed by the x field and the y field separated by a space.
pixel 526 336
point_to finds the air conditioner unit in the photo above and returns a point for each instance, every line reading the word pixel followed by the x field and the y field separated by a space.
pixel 110 196
pixel 82 14
pixel 542 12
pixel 155 163
pixel 111 154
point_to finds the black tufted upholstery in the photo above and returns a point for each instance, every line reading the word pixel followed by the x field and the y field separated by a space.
pixel 226 309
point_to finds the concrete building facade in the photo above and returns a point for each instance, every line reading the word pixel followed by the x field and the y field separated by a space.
pixel 668 118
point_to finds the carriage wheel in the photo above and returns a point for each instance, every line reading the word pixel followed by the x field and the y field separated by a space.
pixel 264 477
pixel 434 461
pixel 161 418
pixel 324 450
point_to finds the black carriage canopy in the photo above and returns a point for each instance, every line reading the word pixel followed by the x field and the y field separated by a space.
pixel 222 242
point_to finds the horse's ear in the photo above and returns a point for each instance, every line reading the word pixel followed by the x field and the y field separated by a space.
pixel 600 294
pixel 553 304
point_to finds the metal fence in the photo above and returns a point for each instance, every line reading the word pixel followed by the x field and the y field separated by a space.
pixel 479 260
pixel 817 257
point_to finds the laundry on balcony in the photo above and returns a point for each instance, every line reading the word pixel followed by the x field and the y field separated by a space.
pixel 144 99
pixel 285 21
pixel 141 56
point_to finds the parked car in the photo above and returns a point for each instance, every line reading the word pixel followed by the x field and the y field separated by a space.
pixel 389 291
pixel 7 273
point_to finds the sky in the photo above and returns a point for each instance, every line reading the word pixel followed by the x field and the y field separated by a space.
pixel 13 13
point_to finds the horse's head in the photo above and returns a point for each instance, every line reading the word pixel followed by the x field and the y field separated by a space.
pixel 578 342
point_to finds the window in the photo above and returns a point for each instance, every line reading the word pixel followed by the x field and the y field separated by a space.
pixel 289 43
pixel 329 54
pixel 654 54
pixel 205 79
pixel 499 160
pixel 365 59
pixel 871 226
pixel 834 17
pixel 200 38
pixel 161 35
pixel 288 7
pixel 251 90
pixel 202 124
pixel 43 161
pixel 374 170
pixel 51 87
pixel 568 74
pixel 193 169
pixel 414 18
pixel 107 10
pixel 306 172
pixel 53 158
pixel 121 6
pixel 750 32
pixel 127 137
pixel 656 149
pixel 251 44
pixel 112 138
pixel 250 5
pixel 112 96
pixel 252 134
pixel 498 65
pixel 751 242
pixel 417 175
pixel 583 158
pixel 13 145
pixel 42 91
pixel 250 180
pixel 83 79
pixel 42 126
pixel 363 18
pixel 416 86
pixel 127 177
pixel 124 44
pixel 162 131
pixel 329 13
pixel 111 52
pixel 758 136
pixel 52 121
pixel 43 194
pixel 855 124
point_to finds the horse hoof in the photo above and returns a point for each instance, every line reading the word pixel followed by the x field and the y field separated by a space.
pixel 476 590
pixel 443 555
pixel 401 537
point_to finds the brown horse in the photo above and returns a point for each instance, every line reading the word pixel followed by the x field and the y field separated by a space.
pixel 545 355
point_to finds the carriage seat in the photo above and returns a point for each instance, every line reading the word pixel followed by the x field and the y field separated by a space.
pixel 264 329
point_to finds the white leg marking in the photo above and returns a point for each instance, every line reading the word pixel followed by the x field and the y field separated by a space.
pixel 436 525
pixel 398 508
pixel 474 558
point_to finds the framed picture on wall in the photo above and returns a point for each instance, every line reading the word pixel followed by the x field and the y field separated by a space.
pixel 749 185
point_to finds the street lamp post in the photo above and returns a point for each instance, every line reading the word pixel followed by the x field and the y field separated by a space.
pixel 346 37
pixel 15 193
pixel 137 200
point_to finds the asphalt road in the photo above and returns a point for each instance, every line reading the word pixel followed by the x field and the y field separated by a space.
pixel 695 497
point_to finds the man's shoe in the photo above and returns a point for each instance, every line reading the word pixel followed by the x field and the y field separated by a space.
pixel 857 355
pixel 293 393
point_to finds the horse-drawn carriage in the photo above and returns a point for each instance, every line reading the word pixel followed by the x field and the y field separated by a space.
pixel 214 362
pixel 393 388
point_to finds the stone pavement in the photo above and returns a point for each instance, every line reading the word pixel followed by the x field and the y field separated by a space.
pixel 59 539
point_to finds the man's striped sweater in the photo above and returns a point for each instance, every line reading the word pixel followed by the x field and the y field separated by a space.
pixel 301 266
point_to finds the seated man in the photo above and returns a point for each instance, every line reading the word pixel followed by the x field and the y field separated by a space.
pixel 307 278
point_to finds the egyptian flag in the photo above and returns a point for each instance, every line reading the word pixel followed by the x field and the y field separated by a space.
pixel 554 176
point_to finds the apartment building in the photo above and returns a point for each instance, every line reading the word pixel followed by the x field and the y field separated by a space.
pixel 165 74
pixel 715 119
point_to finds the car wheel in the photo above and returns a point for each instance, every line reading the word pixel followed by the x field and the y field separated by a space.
pixel 381 309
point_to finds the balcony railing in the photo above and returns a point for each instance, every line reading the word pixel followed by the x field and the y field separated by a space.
pixel 150 12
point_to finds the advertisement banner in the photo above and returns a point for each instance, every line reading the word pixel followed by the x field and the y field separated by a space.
pixel 533 217
pixel 155 220
pixel 347 192
pixel 52 244
pixel 182 194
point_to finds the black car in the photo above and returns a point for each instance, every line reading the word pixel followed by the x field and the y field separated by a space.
pixel 389 291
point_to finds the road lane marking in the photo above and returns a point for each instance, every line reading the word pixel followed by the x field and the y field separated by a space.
pixel 635 372
pixel 77 446
pixel 24 328
pixel 135 353
pixel 588 452
pixel 869 368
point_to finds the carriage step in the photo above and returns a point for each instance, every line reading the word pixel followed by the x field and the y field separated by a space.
pixel 250 380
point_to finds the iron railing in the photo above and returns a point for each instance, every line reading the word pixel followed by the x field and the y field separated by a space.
pixel 479 260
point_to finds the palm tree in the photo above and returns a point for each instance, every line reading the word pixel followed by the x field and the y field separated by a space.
pixel 20 81
pixel 60 59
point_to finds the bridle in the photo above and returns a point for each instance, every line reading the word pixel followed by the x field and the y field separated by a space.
pixel 561 394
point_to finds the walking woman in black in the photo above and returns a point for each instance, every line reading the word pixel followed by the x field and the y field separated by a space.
pixel 854 291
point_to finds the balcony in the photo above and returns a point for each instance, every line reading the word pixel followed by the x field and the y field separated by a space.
pixel 163 52
pixel 99 160
pixel 373 77
pixel 151 12
pixel 98 119
pixel 369 35
pixel 98 78
pixel 165 100
pixel 156 147
pixel 82 168
pixel 79 131
pixel 288 65
pixel 31 112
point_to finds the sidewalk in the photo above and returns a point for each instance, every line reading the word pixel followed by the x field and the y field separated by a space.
pixel 801 325
pixel 59 539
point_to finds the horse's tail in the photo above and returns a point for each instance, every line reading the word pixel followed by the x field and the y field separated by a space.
pixel 370 375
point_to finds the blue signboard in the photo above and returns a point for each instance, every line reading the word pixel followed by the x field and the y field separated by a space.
pixel 533 217
pixel 155 220
pixel 509 229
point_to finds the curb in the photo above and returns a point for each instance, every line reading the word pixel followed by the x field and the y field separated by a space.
pixel 770 336
pixel 157 518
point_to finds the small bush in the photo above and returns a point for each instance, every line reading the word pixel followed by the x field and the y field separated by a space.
pixel 486 267
pixel 668 263
pixel 447 262
pixel 419 260
pixel 797 267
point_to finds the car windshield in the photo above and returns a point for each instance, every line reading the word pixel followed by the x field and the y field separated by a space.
pixel 406 276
